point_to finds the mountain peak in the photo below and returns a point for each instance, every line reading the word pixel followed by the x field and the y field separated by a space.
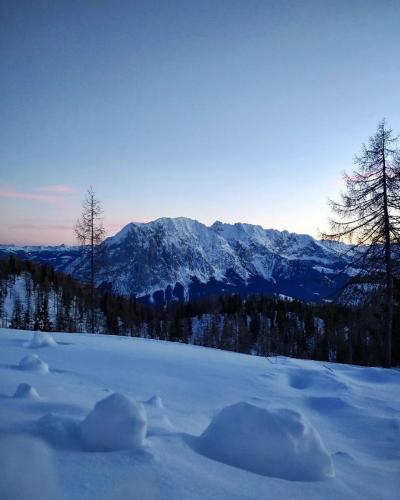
pixel 146 259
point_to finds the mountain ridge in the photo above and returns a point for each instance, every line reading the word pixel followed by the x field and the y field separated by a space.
pixel 182 258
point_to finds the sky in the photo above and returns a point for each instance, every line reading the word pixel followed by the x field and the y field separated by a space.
pixel 239 111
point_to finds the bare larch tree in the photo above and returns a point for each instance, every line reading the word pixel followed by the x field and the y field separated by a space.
pixel 89 231
pixel 368 218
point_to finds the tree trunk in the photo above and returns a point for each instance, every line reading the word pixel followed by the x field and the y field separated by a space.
pixel 387 362
pixel 92 270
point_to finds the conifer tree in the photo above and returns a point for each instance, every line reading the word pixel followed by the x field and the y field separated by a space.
pixel 89 231
pixel 42 319
pixel 16 321
pixel 368 217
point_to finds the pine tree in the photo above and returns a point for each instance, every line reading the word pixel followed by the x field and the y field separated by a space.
pixel 42 320
pixel 16 321
pixel 225 341
pixel 367 217
pixel 89 231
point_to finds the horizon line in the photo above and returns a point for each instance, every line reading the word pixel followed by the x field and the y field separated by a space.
pixel 123 226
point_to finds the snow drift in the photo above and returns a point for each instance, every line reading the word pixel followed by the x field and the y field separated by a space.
pixel 59 431
pixel 41 339
pixel 279 443
pixel 26 391
pixel 27 470
pixel 32 362
pixel 115 423
pixel 155 401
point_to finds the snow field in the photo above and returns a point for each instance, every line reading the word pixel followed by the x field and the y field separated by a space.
pixel 218 424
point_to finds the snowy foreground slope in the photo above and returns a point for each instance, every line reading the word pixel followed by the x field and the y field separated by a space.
pixel 183 422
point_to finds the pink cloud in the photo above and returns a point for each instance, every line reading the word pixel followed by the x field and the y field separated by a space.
pixel 44 227
pixel 19 195
pixel 57 188
pixel 49 194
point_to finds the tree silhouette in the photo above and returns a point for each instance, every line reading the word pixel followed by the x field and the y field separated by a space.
pixel 368 218
pixel 89 231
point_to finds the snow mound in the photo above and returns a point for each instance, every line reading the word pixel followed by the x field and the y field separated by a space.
pixel 28 469
pixel 159 425
pixel 60 432
pixel 40 339
pixel 278 443
pixel 32 362
pixel 115 423
pixel 155 401
pixel 26 391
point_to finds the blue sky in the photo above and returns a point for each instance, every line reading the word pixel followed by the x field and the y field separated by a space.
pixel 232 110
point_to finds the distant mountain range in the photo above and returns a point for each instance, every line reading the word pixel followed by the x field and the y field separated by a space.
pixel 181 258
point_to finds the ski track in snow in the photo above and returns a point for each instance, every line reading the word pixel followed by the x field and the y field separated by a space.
pixel 116 417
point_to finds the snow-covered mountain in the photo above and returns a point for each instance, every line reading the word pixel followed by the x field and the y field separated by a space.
pixel 181 258
pixel 59 256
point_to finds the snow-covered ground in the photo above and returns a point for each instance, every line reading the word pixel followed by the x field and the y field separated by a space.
pixel 124 418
